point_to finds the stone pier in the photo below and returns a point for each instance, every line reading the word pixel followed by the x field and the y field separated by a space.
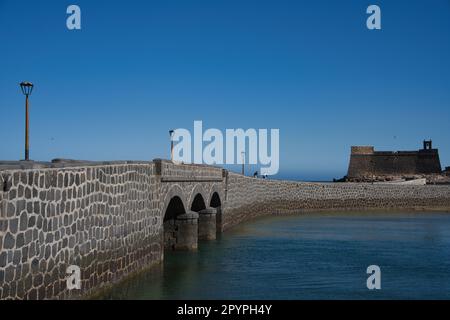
pixel 207 224
pixel 187 231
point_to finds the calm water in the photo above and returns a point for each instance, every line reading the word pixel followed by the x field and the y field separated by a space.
pixel 316 256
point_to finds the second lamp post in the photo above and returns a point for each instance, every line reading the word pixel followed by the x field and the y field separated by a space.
pixel 27 88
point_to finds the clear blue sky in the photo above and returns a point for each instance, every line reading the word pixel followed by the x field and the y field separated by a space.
pixel 310 68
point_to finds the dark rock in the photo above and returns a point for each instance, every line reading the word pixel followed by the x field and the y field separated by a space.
pixel 23 224
pixel 3 259
pixel 35 265
pixel 3 226
pixel 12 194
pixel 11 210
pixel 32 295
pixel 30 178
pixel 31 222
pixel 8 242
pixel 9 273
pixel 27 193
pixel 17 257
pixel 24 254
pixel 23 178
pixel 28 236
pixel 20 241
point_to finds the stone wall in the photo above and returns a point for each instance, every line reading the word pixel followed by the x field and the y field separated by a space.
pixel 249 197
pixel 104 219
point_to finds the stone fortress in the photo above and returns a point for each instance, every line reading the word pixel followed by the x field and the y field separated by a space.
pixel 114 219
pixel 367 165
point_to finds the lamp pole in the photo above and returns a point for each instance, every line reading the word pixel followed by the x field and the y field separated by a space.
pixel 27 88
pixel 171 133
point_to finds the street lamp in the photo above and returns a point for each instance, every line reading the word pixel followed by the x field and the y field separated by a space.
pixel 27 88
pixel 171 133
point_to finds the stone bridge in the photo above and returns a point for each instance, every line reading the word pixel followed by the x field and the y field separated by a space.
pixel 113 219
pixel 191 203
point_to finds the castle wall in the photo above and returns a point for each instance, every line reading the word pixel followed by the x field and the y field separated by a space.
pixel 393 163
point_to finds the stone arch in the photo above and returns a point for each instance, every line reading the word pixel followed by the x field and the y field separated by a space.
pixel 216 189
pixel 180 227
pixel 174 209
pixel 215 201
pixel 194 197
pixel 174 192
pixel 198 203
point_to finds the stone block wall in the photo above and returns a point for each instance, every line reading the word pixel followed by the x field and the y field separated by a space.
pixel 249 197
pixel 189 172
pixel 104 219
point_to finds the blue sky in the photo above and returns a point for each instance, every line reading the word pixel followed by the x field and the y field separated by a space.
pixel 310 68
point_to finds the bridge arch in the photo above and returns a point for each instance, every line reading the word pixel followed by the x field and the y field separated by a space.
pixel 174 197
pixel 198 198
pixel 180 226
pixel 215 200
pixel 174 208
pixel 216 196
pixel 198 203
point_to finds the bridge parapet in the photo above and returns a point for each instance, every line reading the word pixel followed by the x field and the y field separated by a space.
pixel 173 172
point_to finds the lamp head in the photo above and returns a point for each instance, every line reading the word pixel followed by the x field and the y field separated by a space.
pixel 27 88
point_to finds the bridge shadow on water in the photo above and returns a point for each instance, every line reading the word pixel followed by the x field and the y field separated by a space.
pixel 175 278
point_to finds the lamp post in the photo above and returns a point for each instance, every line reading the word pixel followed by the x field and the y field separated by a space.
pixel 27 88
pixel 171 133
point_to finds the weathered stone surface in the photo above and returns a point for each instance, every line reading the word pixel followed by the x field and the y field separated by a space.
pixel 20 241
pixel 3 225
pixel 207 227
pixel 3 260
pixel 14 225
pixel 11 209
pixel 9 241
pixel 23 222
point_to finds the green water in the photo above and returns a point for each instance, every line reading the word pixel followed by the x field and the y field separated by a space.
pixel 315 256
